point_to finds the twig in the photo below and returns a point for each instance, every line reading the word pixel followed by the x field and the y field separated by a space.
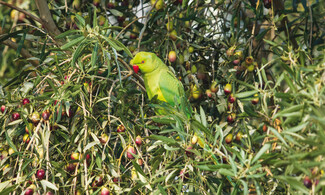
pixel 23 11
pixel 127 26
pixel 141 84
pixel 46 18
pixel 23 51
pixel 29 144
pixel 145 25
pixel 85 142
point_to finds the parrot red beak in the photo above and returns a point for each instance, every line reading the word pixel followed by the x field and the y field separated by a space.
pixel 136 68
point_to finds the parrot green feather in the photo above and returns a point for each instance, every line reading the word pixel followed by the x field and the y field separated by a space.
pixel 158 79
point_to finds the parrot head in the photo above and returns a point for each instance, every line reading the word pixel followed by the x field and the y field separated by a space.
pixel 144 61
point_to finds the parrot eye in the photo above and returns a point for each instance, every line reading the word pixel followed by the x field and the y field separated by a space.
pixel 142 62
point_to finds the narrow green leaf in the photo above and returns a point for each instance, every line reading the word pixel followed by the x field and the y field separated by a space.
pixel 21 43
pixel 135 188
pixel 90 145
pixel 72 42
pixel 161 189
pixel 81 20
pixel 95 19
pixel 270 42
pixel 123 46
pixel 67 33
pixel 261 152
pixel 245 187
pixel 8 189
pixel 245 94
pixel 9 141
pixel 203 117
pixel 162 138
pixel 52 85
pixel 226 172
pixel 294 183
pixel 212 167
pixel 138 168
pixel 277 134
pixel 94 55
pixel 49 185
pixel 289 110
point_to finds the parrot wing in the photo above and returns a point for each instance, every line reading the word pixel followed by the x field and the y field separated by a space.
pixel 170 87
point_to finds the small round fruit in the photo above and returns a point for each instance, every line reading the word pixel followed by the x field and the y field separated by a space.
pixel 190 49
pixel 102 20
pixel 98 182
pixel 239 55
pixel 74 156
pixel 231 98
pixel 40 174
pixel 187 24
pixel 15 116
pixel 96 3
pixel 104 191
pixel 173 35
pixel 120 19
pixel 26 138
pixel 194 139
pixel 25 101
pixel 120 128
pixel 239 136
pixel 307 182
pixel 227 89
pixel 130 151
pixel 184 175
pixel 214 87
pixel 188 152
pixel 110 5
pixel 255 100
pixel 138 140
pixel 140 162
pixel 267 4
pixel 208 93
pixel 3 155
pixel 46 115
pixel 159 5
pixel 264 127
pixel 236 62
pixel 29 191
pixel 193 69
pixel 71 167
pixel 180 59
pixel 11 151
pixel 230 51
pixel 251 68
pixel 196 95
pixel 3 108
pixel 231 118
pixel 169 26
pixel 35 117
pixel 249 60
pixel 28 127
pixel 104 138
pixel 172 56
pixel 228 138
pixel 49 193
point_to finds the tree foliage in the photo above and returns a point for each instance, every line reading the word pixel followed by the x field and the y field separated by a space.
pixel 253 71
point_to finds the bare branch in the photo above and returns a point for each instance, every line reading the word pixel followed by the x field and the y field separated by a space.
pixel 46 17
pixel 23 11
pixel 23 51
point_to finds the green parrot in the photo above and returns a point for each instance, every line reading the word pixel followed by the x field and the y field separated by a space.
pixel 158 79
